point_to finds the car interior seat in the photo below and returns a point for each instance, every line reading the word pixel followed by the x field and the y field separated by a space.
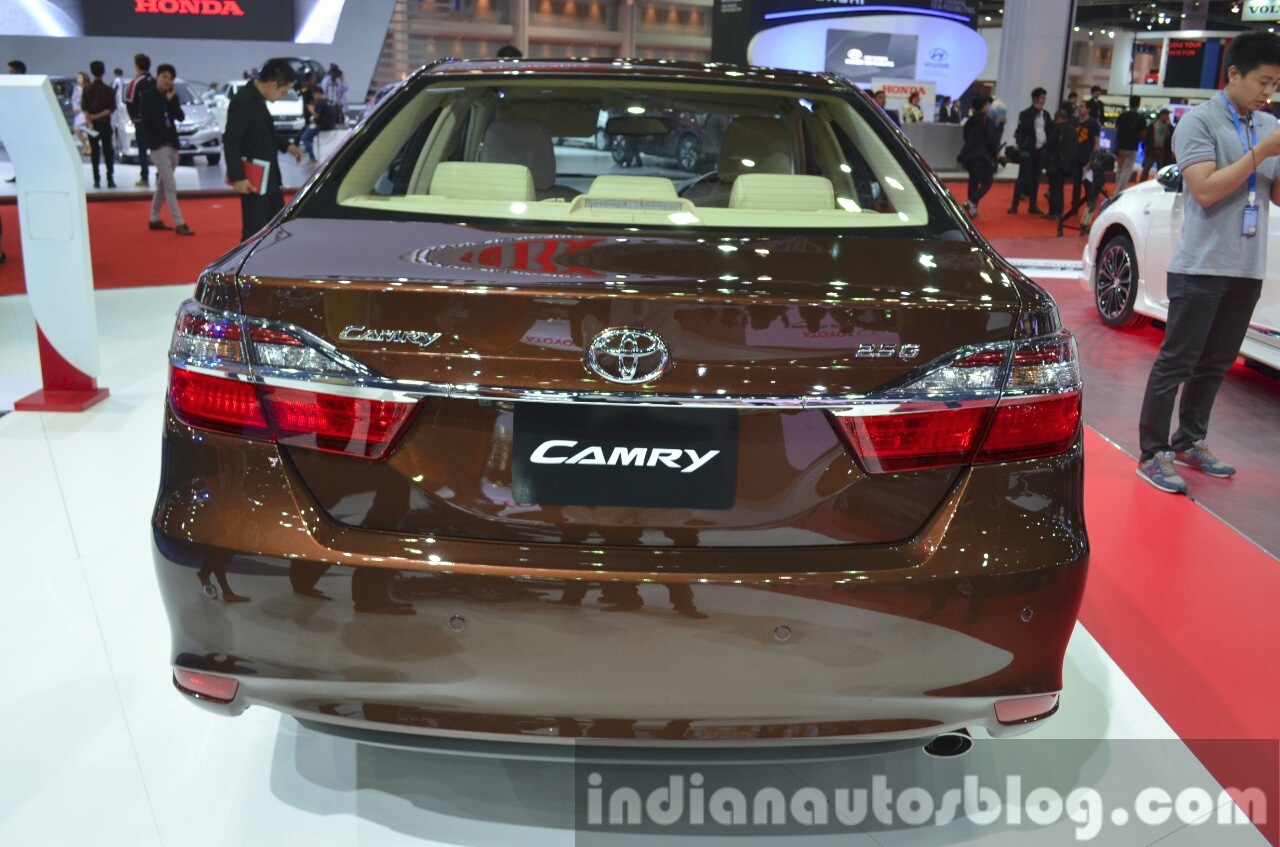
pixel 751 145
pixel 520 141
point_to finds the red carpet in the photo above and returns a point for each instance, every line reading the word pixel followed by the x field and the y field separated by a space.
pixel 1185 605
pixel 994 220
pixel 126 253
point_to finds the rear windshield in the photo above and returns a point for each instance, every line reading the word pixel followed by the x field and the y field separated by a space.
pixel 662 154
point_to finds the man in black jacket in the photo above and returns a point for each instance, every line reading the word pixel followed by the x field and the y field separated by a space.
pixel 160 112
pixel 98 103
pixel 1030 136
pixel 251 135
pixel 1130 127
pixel 978 155
pixel 141 83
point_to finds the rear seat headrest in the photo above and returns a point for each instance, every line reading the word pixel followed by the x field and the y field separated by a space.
pixel 632 187
pixel 482 181
pixel 524 142
pixel 782 193
pixel 757 146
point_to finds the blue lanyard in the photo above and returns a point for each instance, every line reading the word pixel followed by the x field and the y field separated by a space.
pixel 1248 144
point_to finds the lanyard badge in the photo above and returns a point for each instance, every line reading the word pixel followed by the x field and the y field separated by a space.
pixel 1249 223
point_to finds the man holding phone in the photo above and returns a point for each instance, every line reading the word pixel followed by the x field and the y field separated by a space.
pixel 1225 149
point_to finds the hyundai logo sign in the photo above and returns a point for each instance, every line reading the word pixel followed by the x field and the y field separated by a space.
pixel 937 54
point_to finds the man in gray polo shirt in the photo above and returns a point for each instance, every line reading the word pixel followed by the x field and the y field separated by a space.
pixel 1225 149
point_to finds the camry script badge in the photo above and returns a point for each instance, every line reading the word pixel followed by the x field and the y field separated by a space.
pixel 388 336
pixel 629 356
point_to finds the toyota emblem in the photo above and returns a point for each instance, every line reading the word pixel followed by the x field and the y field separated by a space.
pixel 626 355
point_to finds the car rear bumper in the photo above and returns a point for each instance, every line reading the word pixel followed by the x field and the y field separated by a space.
pixel 1087 267
pixel 437 635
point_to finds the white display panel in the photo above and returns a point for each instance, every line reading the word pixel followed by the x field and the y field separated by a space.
pixel 948 53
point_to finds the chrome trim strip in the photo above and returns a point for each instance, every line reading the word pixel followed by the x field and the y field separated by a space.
pixel 412 392
pixel 370 386
pixel 1262 330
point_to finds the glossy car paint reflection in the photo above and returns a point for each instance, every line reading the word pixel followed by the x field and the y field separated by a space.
pixel 420 631
pixel 415 593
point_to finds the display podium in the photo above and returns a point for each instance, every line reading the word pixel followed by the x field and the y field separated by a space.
pixel 55 244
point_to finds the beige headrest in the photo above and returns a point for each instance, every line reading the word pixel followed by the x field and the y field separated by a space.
pixel 781 193
pixel 482 181
pixel 633 187
pixel 755 145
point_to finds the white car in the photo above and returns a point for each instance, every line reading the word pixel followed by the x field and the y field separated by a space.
pixel 200 132
pixel 1129 248
pixel 286 112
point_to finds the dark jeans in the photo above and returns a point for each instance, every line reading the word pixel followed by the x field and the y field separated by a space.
pixel 100 147
pixel 1057 182
pixel 1157 157
pixel 1208 317
pixel 257 210
pixel 1028 184
pixel 141 139
pixel 981 174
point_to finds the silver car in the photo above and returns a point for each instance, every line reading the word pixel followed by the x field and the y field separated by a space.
pixel 286 113
pixel 199 133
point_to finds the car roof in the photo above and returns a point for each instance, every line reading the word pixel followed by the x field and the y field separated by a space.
pixel 639 69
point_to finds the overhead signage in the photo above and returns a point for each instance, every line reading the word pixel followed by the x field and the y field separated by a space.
pixel 235 20
pixel 861 48
pixel 1194 63
pixel 863 55
pixel 1260 10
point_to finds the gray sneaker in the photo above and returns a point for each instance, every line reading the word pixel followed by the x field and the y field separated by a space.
pixel 1201 459
pixel 1160 472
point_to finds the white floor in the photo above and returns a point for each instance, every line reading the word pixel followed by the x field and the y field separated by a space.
pixel 97 748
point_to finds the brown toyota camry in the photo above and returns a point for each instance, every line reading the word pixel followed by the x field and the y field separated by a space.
pixel 487 435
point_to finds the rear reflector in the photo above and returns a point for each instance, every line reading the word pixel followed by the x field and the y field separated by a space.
pixel 335 423
pixel 915 440
pixel 207 685
pixel 1026 709
pixel 217 403
pixel 1031 428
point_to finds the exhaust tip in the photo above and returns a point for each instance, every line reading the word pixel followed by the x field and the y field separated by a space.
pixel 948 745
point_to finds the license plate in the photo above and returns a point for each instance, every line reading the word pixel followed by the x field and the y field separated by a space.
pixel 567 455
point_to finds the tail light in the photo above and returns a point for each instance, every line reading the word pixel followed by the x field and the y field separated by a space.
pixel 1003 403
pixel 255 379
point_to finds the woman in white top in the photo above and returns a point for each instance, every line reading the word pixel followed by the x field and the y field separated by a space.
pixel 912 112
pixel 79 125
